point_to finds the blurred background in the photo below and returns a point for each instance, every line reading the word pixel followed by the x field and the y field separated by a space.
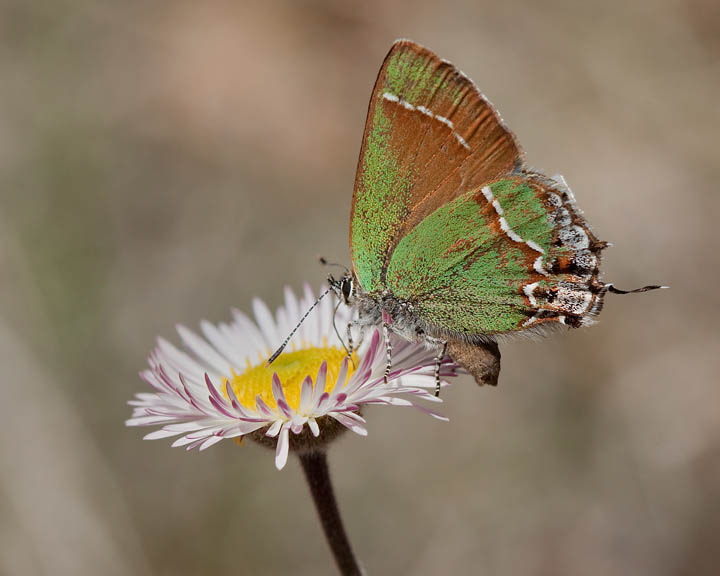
pixel 162 162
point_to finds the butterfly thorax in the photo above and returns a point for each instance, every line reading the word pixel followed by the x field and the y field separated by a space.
pixel 375 308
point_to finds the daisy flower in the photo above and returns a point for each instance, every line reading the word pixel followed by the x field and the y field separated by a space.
pixel 221 386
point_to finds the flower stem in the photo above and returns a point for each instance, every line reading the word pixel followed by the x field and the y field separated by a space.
pixel 317 474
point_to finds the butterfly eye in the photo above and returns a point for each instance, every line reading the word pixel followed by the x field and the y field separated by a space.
pixel 347 287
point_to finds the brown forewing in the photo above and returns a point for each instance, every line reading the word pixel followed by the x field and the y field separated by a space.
pixel 439 167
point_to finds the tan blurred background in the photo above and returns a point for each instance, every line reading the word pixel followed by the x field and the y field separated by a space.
pixel 163 162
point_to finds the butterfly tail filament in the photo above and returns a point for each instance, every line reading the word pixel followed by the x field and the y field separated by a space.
pixel 611 288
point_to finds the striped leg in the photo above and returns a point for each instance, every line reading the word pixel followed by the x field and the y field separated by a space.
pixel 388 351
pixel 350 338
pixel 438 364
pixel 351 343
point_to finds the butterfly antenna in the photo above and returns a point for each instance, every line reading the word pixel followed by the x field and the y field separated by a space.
pixel 324 261
pixel 611 288
pixel 285 343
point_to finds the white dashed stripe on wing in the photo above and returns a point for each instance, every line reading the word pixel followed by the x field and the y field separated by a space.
pixel 514 236
pixel 529 290
pixel 423 110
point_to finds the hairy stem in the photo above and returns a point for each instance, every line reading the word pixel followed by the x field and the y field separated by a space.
pixel 317 474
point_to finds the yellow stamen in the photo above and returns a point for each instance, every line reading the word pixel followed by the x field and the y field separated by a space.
pixel 292 368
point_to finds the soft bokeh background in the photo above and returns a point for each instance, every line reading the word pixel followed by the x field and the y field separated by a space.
pixel 163 162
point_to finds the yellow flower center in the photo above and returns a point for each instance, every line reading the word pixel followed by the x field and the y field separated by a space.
pixel 292 368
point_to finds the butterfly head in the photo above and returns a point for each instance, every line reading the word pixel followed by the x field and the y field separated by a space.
pixel 344 287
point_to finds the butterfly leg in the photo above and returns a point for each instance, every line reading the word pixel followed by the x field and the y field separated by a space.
pixel 438 363
pixel 350 348
pixel 441 345
pixel 350 338
pixel 388 351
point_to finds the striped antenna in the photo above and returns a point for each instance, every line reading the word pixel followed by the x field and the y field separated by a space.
pixel 285 343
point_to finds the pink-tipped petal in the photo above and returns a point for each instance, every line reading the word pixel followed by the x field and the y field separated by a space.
pixel 283 448
pixel 306 393
pixel 285 409
pixel 274 428
pixel 323 400
pixel 342 375
pixel 277 388
pixel 209 442
pixel 183 441
pixel 263 408
pixel 296 426
pixel 350 424
pixel 320 383
pixel 220 408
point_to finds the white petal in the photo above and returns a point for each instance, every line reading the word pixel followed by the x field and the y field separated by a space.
pixel 210 441
pixel 235 355
pixel 203 350
pixel 312 326
pixel 176 361
pixel 292 311
pixel 160 434
pixel 247 330
pixel 324 319
pixel 266 322
pixel 314 428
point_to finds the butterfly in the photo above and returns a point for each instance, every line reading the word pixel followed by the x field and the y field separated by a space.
pixel 455 242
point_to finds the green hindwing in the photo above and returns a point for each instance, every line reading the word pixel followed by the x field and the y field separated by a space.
pixel 483 263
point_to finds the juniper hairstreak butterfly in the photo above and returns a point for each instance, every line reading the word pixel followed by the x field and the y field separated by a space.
pixel 454 240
